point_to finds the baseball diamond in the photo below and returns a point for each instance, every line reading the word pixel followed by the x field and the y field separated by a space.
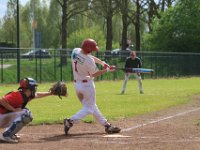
pixel 99 75
pixel 177 132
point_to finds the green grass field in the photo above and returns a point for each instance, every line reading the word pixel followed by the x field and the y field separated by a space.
pixel 159 94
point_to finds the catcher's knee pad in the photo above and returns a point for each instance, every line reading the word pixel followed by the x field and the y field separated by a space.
pixel 26 117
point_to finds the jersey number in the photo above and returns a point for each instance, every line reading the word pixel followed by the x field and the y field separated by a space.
pixel 75 66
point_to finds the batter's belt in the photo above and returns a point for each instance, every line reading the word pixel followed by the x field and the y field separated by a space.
pixel 83 81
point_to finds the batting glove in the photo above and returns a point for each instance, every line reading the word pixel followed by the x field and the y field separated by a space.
pixel 111 68
pixel 105 65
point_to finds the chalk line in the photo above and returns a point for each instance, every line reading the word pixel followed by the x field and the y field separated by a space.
pixel 159 120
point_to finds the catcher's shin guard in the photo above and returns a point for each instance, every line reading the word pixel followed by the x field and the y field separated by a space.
pixel 110 129
pixel 68 123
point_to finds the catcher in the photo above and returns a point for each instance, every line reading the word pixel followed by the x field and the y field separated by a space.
pixel 13 112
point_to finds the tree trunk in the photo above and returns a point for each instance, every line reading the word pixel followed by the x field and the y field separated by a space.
pixel 64 32
pixel 109 35
pixel 137 26
pixel 150 15
pixel 163 5
pixel 125 24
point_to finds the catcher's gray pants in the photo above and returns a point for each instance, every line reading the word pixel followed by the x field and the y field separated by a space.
pixel 88 102
pixel 16 121
pixel 138 77
pixel 7 119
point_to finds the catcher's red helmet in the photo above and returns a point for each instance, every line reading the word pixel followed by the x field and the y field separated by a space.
pixel 89 45
pixel 28 83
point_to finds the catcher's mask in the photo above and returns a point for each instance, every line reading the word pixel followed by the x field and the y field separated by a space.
pixel 89 45
pixel 28 83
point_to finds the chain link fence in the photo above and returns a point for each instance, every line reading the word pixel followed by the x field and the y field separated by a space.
pixel 54 64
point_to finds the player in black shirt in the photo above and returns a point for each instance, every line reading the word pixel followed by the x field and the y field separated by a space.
pixel 133 62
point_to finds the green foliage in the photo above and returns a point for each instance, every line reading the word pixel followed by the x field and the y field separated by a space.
pixel 94 32
pixel 177 30
pixel 159 94
pixel 52 26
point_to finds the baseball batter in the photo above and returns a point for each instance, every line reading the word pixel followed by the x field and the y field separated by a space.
pixel 133 62
pixel 84 71
pixel 13 112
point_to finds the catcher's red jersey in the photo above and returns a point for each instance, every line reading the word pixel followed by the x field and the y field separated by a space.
pixel 15 99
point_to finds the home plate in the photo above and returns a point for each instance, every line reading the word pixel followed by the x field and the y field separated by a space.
pixel 116 136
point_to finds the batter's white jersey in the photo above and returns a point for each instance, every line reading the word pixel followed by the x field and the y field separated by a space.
pixel 83 65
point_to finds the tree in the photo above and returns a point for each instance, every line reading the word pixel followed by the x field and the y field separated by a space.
pixel 144 11
pixel 178 29
pixel 134 16
pixel 33 18
pixel 25 26
pixel 106 9
pixel 70 8
pixel 53 25
pixel 165 4
pixel 94 32
pixel 124 10
pixel 132 12
pixel 152 12
pixel 9 26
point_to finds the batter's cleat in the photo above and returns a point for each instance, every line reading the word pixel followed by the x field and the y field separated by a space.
pixel 68 123
pixel 15 136
pixel 8 139
pixel 110 130
pixel 122 92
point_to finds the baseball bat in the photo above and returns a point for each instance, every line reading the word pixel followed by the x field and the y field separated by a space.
pixel 137 70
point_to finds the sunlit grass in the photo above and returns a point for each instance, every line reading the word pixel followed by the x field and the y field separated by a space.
pixel 159 94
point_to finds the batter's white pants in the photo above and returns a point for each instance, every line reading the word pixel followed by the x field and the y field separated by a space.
pixel 138 77
pixel 88 102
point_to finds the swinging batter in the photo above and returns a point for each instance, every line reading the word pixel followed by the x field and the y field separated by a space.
pixel 84 71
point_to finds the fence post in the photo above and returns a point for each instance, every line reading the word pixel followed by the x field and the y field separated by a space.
pixel 40 66
pixel 36 72
pixel 18 43
pixel 54 64
pixel 1 67
pixel 61 64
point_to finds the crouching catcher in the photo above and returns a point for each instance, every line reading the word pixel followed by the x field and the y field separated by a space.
pixel 13 112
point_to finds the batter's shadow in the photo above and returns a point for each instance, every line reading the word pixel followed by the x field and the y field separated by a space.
pixel 73 136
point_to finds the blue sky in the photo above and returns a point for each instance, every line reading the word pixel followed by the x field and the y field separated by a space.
pixel 3 6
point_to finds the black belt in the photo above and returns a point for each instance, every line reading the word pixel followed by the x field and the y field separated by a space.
pixel 84 81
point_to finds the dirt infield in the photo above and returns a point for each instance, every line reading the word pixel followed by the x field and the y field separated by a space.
pixel 171 129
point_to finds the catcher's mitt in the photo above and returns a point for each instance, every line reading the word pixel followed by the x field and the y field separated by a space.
pixel 59 89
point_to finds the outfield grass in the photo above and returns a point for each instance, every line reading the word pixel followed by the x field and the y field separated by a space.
pixel 159 94
pixel 47 70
